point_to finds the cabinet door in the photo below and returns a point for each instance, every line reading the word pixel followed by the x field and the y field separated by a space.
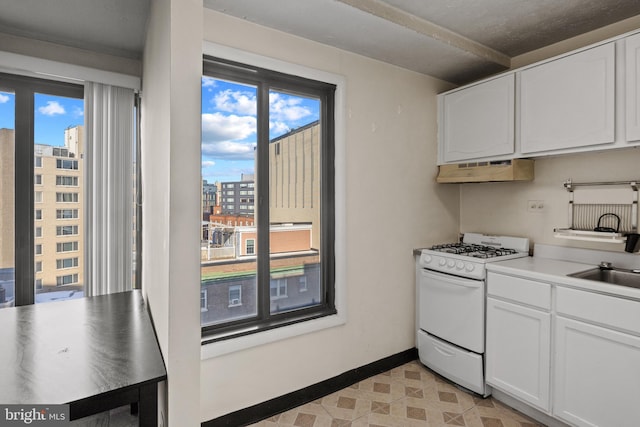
pixel 632 93
pixel 478 121
pixel 518 351
pixel 569 102
pixel 597 375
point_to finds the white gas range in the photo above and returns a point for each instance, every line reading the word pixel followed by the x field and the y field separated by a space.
pixel 451 304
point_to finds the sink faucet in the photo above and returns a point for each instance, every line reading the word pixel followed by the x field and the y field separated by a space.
pixel 605 265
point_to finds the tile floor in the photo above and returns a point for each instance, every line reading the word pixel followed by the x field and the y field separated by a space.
pixel 409 395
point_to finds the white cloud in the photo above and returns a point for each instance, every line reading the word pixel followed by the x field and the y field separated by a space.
pixel 217 127
pixel 52 108
pixel 3 98
pixel 78 112
pixel 208 163
pixel 238 102
pixel 221 135
pixel 278 128
pixel 208 82
pixel 287 108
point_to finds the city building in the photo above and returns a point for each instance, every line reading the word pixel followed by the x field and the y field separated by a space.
pixel 209 199
pixel 58 214
pixel 238 198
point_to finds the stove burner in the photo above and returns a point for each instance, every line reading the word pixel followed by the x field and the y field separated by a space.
pixel 473 250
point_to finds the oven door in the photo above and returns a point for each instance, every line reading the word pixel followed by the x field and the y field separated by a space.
pixel 452 308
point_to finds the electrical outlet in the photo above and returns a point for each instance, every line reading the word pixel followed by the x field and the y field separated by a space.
pixel 536 206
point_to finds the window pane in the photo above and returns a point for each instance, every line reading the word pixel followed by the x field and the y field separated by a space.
pixel 7 203
pixel 228 266
pixel 294 197
pixel 59 144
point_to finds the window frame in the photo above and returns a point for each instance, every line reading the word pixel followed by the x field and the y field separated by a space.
pixel 265 81
pixel 26 161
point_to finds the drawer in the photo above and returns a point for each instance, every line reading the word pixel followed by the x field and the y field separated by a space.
pixel 605 310
pixel 530 292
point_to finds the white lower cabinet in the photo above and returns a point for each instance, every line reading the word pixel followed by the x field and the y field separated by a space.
pixel 597 375
pixel 570 353
pixel 518 351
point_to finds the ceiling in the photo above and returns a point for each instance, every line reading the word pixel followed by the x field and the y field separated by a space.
pixel 455 40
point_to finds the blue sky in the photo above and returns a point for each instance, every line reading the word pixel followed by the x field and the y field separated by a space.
pixel 53 114
pixel 229 125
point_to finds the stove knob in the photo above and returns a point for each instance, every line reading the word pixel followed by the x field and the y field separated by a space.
pixel 442 262
pixel 459 265
pixel 426 259
pixel 451 263
pixel 469 267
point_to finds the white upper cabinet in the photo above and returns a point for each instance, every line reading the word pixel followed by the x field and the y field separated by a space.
pixel 569 102
pixel 632 94
pixel 478 121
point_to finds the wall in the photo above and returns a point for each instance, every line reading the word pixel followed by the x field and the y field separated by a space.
pixel 501 208
pixel 392 205
pixel 172 68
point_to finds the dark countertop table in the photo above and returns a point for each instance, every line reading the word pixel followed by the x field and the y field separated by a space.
pixel 95 354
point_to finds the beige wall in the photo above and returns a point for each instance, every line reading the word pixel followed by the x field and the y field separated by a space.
pixel 501 208
pixel 390 146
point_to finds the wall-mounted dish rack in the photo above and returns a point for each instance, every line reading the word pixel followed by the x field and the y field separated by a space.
pixel 592 219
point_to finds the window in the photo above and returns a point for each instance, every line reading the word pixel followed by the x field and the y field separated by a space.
pixel 302 284
pixel 66 164
pixel 235 295
pixel 66 230
pixel 278 288
pixel 37 197
pixel 38 214
pixel 39 249
pixel 67 197
pixel 38 232
pixel 66 247
pixel 68 279
pixel 251 246
pixel 67 180
pixel 66 213
pixel 296 189
pixel 37 179
pixel 66 263
pixel 38 266
pixel 37 162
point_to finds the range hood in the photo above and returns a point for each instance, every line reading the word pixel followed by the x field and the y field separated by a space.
pixel 494 171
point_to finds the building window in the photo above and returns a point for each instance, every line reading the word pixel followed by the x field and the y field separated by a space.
pixel 66 230
pixel 260 99
pixel 302 284
pixel 66 263
pixel 39 249
pixel 278 288
pixel 251 246
pixel 203 300
pixel 38 283
pixel 66 247
pixel 37 179
pixel 68 279
pixel 67 197
pixel 37 162
pixel 38 214
pixel 37 196
pixel 38 232
pixel 67 164
pixel 38 266
pixel 66 213
pixel 71 181
pixel 235 295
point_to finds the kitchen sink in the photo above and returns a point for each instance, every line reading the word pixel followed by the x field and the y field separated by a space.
pixel 616 277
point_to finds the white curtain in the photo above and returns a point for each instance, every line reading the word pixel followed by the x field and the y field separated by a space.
pixel 109 174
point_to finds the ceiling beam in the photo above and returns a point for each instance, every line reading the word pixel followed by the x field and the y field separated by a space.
pixel 399 17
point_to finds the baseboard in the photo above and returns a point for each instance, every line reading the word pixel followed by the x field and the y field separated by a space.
pixel 275 406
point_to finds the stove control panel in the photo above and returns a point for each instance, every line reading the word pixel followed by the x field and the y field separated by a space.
pixel 445 264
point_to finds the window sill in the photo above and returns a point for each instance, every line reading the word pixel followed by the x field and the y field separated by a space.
pixel 214 349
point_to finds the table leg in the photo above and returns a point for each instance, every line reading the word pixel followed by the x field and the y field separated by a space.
pixel 148 405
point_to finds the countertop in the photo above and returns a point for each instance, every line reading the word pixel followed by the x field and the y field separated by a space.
pixel 556 271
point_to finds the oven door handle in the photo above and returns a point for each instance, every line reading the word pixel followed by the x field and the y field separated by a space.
pixel 452 280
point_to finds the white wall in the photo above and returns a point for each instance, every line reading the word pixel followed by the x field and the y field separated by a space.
pixel 172 68
pixel 392 206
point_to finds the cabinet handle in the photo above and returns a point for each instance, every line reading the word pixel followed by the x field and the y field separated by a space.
pixel 443 351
